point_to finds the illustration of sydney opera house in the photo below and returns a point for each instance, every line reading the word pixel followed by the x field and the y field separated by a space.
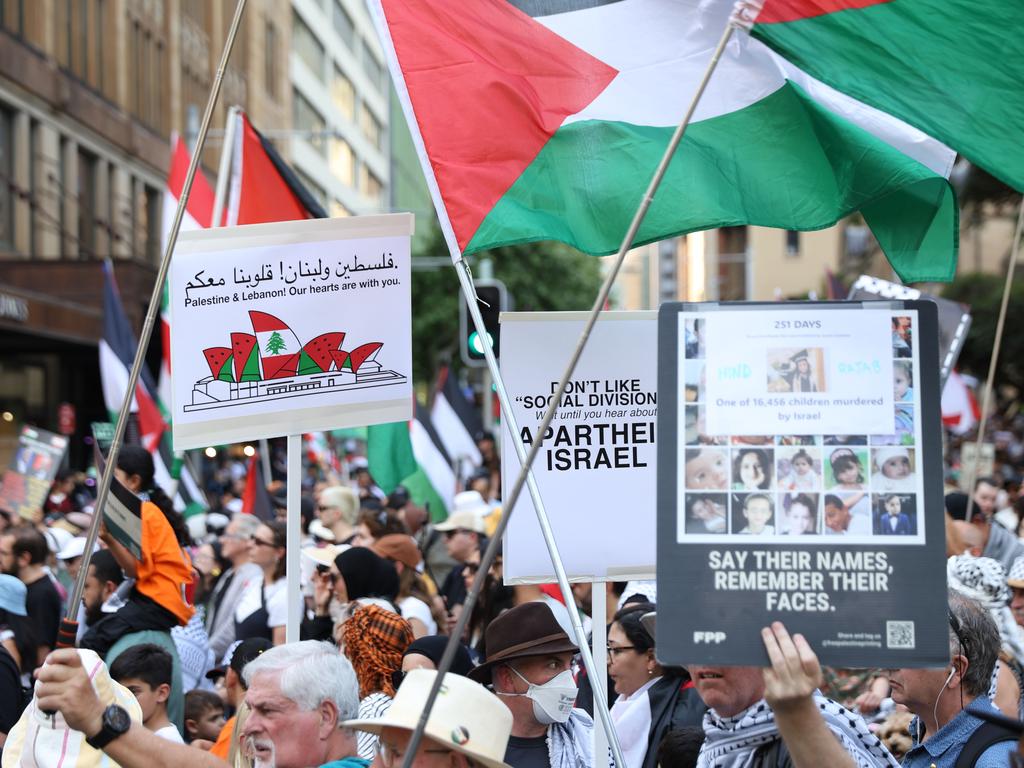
pixel 270 363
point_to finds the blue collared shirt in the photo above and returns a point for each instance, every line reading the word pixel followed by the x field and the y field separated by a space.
pixel 942 749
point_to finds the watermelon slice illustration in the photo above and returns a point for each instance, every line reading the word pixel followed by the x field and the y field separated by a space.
pixel 361 354
pixel 340 358
pixel 319 350
pixel 217 358
pixel 246 357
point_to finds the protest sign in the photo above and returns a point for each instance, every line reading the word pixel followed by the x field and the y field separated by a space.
pixel 954 318
pixel 983 466
pixel 287 328
pixel 122 514
pixel 27 480
pixel 822 507
pixel 596 469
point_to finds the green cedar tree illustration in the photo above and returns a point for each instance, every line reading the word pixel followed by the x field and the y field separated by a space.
pixel 275 344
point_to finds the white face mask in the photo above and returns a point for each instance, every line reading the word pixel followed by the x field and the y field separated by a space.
pixel 552 701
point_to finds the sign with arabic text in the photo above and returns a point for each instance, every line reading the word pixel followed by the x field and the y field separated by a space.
pixel 279 329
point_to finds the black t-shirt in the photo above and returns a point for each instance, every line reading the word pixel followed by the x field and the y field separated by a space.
pixel 528 753
pixel 12 697
pixel 44 610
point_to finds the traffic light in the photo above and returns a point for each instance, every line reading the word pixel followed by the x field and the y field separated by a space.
pixel 493 300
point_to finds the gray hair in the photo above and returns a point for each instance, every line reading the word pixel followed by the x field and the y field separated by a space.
pixel 973 633
pixel 246 524
pixel 311 672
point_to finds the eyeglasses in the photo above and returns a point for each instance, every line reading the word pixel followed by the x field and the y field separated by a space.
pixel 958 630
pixel 261 543
pixel 322 508
pixel 618 650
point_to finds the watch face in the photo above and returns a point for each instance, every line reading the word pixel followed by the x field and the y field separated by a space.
pixel 117 718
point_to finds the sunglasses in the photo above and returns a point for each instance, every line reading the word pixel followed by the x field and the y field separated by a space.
pixel 453 533
pixel 261 543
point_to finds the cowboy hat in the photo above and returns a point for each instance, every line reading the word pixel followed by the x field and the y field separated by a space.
pixel 466 717
pixel 530 629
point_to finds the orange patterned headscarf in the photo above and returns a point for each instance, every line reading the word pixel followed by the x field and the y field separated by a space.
pixel 375 639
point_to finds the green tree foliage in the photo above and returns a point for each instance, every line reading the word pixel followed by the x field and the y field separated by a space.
pixel 983 293
pixel 540 277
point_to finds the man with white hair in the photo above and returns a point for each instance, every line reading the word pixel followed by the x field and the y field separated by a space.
pixel 338 509
pixel 299 696
pixel 233 583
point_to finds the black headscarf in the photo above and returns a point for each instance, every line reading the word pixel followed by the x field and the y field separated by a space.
pixel 432 646
pixel 366 574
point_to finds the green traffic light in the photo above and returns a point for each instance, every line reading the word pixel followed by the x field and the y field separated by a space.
pixel 474 343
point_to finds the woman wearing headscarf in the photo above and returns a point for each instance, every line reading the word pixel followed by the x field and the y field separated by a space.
pixel 652 699
pixel 983 580
pixel 356 574
pixel 374 640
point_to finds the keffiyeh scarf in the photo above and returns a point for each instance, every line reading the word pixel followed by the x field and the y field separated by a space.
pixel 983 580
pixel 731 742
pixel 571 744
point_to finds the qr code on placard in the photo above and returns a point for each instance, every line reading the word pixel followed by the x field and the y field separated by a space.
pixel 899 634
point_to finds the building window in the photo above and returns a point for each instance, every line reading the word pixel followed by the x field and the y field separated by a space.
pixel 86 198
pixel 370 126
pixel 307 46
pixel 153 202
pixel 306 118
pixel 270 59
pixel 6 179
pixel 792 242
pixel 341 161
pixel 343 25
pixel 369 185
pixel 373 68
pixel 12 16
pixel 343 95
pixel 312 187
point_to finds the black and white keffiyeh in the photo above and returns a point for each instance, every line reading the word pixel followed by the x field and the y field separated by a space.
pixel 730 742
pixel 983 580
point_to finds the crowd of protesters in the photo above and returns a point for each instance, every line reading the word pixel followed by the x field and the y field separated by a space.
pixel 196 670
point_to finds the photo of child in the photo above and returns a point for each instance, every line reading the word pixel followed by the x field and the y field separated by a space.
pixel 902 337
pixel 751 469
pixel 902 381
pixel 707 469
pixel 752 514
pixel 904 418
pixel 694 387
pixel 705 513
pixel 895 515
pixel 845 440
pixel 796 370
pixel 847 514
pixel 894 469
pixel 796 440
pixel 845 469
pixel 693 342
pixel 799 513
pixel 798 470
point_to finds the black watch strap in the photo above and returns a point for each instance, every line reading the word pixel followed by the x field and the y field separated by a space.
pixel 116 722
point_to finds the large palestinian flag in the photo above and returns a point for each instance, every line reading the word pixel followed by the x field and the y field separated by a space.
pixel 953 68
pixel 550 127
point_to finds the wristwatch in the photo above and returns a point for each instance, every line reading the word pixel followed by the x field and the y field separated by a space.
pixel 116 722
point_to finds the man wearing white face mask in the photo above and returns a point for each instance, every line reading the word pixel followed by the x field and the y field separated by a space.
pixel 528 659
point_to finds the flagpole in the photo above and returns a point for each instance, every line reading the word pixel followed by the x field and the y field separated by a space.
pixel 525 475
pixel 69 627
pixel 1011 264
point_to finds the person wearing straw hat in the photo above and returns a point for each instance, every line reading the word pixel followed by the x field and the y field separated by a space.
pixel 468 725
pixel 528 665
pixel 463 533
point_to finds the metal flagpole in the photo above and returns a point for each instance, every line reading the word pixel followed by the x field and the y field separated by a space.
pixel 525 476
pixel 69 624
pixel 294 539
pixel 972 467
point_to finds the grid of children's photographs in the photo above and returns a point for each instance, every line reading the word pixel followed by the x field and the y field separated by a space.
pixel 855 486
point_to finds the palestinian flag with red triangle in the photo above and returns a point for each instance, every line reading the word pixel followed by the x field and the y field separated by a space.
pixel 952 68
pixel 551 126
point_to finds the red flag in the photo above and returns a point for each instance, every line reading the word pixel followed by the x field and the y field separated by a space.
pixel 263 187
pixel 255 499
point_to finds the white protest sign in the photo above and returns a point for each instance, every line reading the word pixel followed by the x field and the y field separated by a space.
pixel 811 372
pixel 596 468
pixel 279 329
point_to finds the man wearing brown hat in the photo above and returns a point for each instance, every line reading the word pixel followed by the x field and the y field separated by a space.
pixel 528 660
